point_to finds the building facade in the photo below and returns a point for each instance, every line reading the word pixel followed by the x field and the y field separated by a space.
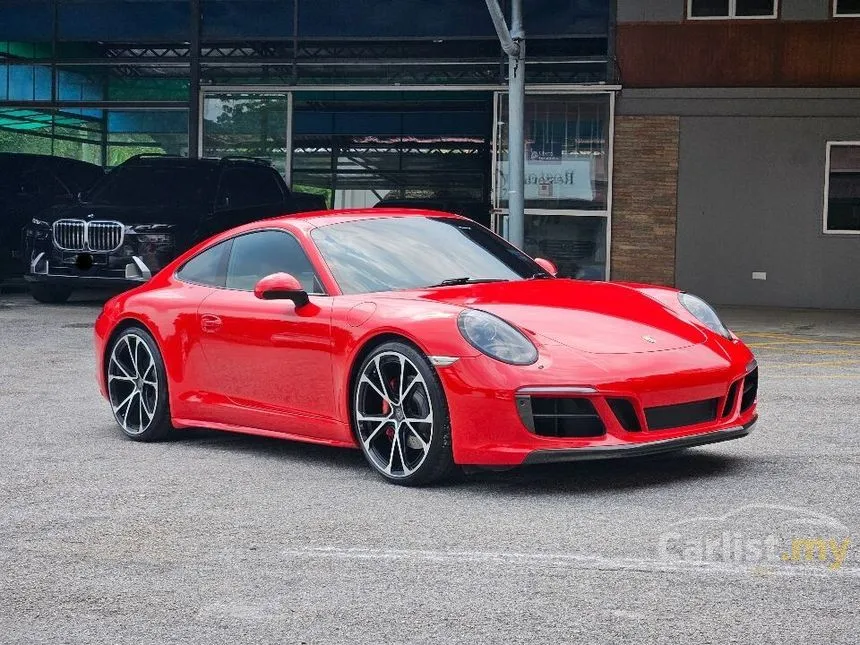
pixel 737 149
pixel 362 101
pixel 706 144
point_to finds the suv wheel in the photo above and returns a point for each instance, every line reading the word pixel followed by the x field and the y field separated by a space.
pixel 50 294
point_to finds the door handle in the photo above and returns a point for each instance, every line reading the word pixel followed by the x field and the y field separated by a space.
pixel 210 323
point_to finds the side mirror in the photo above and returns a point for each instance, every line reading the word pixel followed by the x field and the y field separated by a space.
pixel 547 266
pixel 281 286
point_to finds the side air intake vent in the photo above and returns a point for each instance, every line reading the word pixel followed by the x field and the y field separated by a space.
pixel 750 390
pixel 731 399
pixel 625 413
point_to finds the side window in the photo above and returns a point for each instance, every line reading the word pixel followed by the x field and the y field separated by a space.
pixel 43 184
pixel 206 267
pixel 244 187
pixel 257 255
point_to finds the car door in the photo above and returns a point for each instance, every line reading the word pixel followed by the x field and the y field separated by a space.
pixel 272 362
pixel 192 393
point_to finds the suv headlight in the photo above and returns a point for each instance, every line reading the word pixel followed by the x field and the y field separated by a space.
pixel 496 338
pixel 39 222
pixel 156 239
pixel 704 313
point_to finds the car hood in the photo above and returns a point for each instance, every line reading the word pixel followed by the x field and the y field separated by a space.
pixel 593 317
pixel 128 215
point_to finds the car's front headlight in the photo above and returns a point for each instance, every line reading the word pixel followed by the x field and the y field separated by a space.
pixel 496 338
pixel 39 222
pixel 704 313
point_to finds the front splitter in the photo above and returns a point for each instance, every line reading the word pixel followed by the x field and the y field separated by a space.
pixel 637 450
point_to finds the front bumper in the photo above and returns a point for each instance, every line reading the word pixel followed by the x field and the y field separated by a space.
pixel 489 428
pixel 554 455
pixel 52 267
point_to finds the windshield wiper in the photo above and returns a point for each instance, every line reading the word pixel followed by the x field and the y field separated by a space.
pixel 451 282
pixel 540 276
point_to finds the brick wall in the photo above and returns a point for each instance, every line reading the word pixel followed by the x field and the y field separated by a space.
pixel 645 199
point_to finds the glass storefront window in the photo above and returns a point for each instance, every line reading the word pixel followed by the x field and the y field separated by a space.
pixel 63 133
pixel 577 245
pixel 410 149
pixel 567 180
pixel 25 82
pixel 122 83
pixel 253 125
pixel 26 20
pixel 133 132
pixel 128 21
pixel 567 152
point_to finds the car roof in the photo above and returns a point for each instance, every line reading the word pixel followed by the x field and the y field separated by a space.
pixel 315 219
pixel 148 159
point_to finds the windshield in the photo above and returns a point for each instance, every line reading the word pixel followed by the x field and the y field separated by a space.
pixel 393 253
pixel 151 185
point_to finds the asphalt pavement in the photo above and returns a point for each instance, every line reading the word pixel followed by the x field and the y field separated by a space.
pixel 220 538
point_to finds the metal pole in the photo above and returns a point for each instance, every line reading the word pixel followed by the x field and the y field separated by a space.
pixel 516 130
pixel 194 82
pixel 513 43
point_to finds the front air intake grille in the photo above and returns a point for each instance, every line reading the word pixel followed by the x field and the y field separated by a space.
pixel 104 237
pixel 731 399
pixel 70 234
pixel 625 413
pixel 684 414
pixel 560 416
pixel 78 235
pixel 750 390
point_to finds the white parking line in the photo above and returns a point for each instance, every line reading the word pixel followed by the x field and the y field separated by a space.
pixel 563 560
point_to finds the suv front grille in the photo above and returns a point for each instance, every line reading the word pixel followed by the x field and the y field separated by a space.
pixel 70 234
pixel 104 236
pixel 79 235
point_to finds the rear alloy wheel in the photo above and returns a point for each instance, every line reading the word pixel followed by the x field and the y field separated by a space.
pixel 137 386
pixel 401 418
pixel 50 294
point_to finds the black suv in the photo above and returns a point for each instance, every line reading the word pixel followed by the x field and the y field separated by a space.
pixel 28 185
pixel 144 213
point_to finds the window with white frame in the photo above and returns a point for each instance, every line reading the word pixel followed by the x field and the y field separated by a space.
pixel 732 9
pixel 842 187
pixel 850 8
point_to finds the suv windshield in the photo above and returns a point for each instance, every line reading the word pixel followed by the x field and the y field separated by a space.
pixel 412 252
pixel 153 185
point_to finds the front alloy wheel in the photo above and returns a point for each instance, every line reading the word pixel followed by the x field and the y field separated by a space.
pixel 400 416
pixel 137 388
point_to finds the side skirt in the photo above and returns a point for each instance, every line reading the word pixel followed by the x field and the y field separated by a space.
pixel 211 425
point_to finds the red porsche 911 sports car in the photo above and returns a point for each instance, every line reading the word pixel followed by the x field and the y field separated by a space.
pixel 423 339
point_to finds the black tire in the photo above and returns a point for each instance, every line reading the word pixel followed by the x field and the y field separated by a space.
pixel 422 461
pixel 135 421
pixel 50 294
